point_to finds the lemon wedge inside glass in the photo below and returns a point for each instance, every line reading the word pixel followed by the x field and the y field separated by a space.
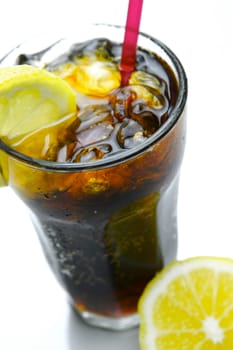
pixel 189 305
pixel 29 99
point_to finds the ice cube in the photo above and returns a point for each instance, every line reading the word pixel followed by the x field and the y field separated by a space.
pixel 147 118
pixel 60 152
pixel 66 152
pixel 127 99
pixel 146 79
pixel 96 125
pixel 94 114
pixel 130 134
pixel 101 48
pixel 95 133
pixel 91 153
pixel 121 100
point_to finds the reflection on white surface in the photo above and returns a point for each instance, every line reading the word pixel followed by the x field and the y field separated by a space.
pixel 34 313
pixel 92 338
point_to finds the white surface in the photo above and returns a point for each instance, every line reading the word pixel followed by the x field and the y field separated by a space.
pixel 33 308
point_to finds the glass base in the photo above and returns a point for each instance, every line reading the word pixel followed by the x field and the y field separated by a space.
pixel 110 323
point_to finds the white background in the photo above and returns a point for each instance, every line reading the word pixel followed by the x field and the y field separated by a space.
pixel 33 309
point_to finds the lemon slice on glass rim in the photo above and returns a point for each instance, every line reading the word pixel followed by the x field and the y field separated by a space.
pixel 29 99
pixel 189 305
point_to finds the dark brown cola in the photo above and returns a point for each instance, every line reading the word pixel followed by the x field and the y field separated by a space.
pixel 106 230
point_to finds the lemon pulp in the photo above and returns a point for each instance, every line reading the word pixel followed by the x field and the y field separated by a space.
pixel 29 99
pixel 189 306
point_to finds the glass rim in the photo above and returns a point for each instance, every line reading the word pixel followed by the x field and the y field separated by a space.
pixel 174 116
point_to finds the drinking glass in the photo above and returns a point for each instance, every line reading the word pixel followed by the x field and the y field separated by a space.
pixel 106 227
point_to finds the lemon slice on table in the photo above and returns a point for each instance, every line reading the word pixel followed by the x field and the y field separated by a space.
pixel 29 99
pixel 189 306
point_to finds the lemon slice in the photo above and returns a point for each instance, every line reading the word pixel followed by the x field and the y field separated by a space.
pixel 31 98
pixel 189 306
pixel 91 76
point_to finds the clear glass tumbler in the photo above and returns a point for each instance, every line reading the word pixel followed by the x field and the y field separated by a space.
pixel 106 227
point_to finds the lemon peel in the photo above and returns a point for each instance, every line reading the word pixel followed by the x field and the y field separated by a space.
pixel 30 98
pixel 189 305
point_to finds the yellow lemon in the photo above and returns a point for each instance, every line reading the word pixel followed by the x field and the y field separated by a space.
pixel 189 306
pixel 29 99
pixel 91 76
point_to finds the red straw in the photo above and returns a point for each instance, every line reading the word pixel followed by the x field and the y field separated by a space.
pixel 129 49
